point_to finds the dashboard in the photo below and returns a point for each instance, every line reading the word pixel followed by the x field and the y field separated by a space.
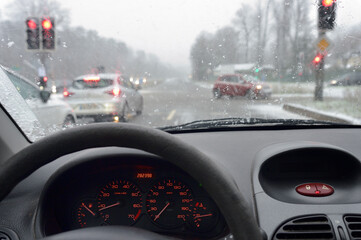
pixel 122 186
pixel 129 190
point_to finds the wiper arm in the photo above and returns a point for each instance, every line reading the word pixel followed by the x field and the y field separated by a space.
pixel 237 122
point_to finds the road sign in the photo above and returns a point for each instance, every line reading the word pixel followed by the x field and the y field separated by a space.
pixel 323 44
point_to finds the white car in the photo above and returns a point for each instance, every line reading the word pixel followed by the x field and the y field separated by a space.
pixel 104 97
pixel 52 112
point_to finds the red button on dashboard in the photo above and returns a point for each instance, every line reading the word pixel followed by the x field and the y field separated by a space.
pixel 315 189
pixel 307 189
pixel 325 189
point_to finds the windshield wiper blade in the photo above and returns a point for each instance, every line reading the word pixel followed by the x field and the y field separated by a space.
pixel 237 122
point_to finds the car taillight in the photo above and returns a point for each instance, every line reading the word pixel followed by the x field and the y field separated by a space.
pixel 66 93
pixel 115 92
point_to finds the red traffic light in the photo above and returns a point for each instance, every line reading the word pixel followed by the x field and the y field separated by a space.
pixel 45 79
pixel 327 3
pixel 31 24
pixel 46 23
pixel 317 59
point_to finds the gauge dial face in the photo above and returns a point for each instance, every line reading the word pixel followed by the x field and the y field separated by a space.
pixel 87 214
pixel 204 215
pixel 120 203
pixel 168 203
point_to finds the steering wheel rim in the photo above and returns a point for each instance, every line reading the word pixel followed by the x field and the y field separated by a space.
pixel 214 179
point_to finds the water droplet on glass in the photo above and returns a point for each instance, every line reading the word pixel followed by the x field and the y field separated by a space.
pixel 10 44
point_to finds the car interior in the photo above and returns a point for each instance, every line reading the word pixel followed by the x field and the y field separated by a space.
pixel 190 120
pixel 255 183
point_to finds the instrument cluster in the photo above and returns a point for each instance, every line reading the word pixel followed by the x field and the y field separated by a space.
pixel 144 193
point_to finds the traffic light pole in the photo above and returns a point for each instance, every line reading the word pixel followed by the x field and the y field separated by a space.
pixel 43 56
pixel 326 21
pixel 320 73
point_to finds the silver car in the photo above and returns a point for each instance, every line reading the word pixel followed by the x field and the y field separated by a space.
pixel 104 97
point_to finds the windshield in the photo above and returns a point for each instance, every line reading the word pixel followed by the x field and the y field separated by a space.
pixel 162 63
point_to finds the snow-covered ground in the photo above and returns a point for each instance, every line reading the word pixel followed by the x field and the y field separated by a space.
pixel 335 115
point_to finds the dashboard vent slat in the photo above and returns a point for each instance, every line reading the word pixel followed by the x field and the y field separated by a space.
pixel 306 228
pixel 353 224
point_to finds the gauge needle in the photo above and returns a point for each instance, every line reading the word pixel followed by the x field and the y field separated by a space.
pixel 88 209
pixel 205 215
pixel 157 216
pixel 110 206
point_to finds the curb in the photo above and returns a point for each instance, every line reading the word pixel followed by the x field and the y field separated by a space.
pixel 314 114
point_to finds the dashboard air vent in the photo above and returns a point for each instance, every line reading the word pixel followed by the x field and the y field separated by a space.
pixel 353 223
pixel 315 227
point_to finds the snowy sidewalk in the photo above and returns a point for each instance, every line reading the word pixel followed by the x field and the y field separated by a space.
pixel 320 115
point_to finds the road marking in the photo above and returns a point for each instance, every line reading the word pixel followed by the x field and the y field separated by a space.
pixel 171 115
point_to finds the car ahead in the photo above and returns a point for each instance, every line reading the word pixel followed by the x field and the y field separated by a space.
pixel 240 85
pixel 51 111
pixel 348 79
pixel 104 97
pixel 139 82
pixel 59 87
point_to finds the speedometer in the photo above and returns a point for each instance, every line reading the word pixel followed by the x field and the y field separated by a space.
pixel 168 203
pixel 120 203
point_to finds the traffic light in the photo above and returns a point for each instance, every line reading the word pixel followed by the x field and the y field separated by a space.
pixel 32 33
pixel 318 58
pixel 48 33
pixel 43 81
pixel 326 14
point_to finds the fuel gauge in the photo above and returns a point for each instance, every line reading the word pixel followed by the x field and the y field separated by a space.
pixel 204 215
pixel 87 214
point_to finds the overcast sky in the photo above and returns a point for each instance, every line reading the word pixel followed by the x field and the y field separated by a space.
pixel 168 28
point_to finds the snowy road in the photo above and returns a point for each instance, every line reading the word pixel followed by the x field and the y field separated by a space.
pixel 178 101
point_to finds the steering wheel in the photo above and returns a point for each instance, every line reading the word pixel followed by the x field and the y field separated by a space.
pixel 203 169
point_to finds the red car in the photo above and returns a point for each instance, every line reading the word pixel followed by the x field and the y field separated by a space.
pixel 240 85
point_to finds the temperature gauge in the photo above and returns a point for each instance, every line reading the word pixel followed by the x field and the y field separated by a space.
pixel 204 215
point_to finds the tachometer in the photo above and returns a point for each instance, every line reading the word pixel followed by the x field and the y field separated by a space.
pixel 168 203
pixel 120 203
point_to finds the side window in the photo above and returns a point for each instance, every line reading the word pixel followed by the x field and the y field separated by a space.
pixel 235 79
pixel 130 84
pixel 227 79
pixel 26 90
pixel 125 83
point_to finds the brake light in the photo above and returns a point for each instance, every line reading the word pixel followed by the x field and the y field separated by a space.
pixel 115 92
pixel 66 93
pixel 95 79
